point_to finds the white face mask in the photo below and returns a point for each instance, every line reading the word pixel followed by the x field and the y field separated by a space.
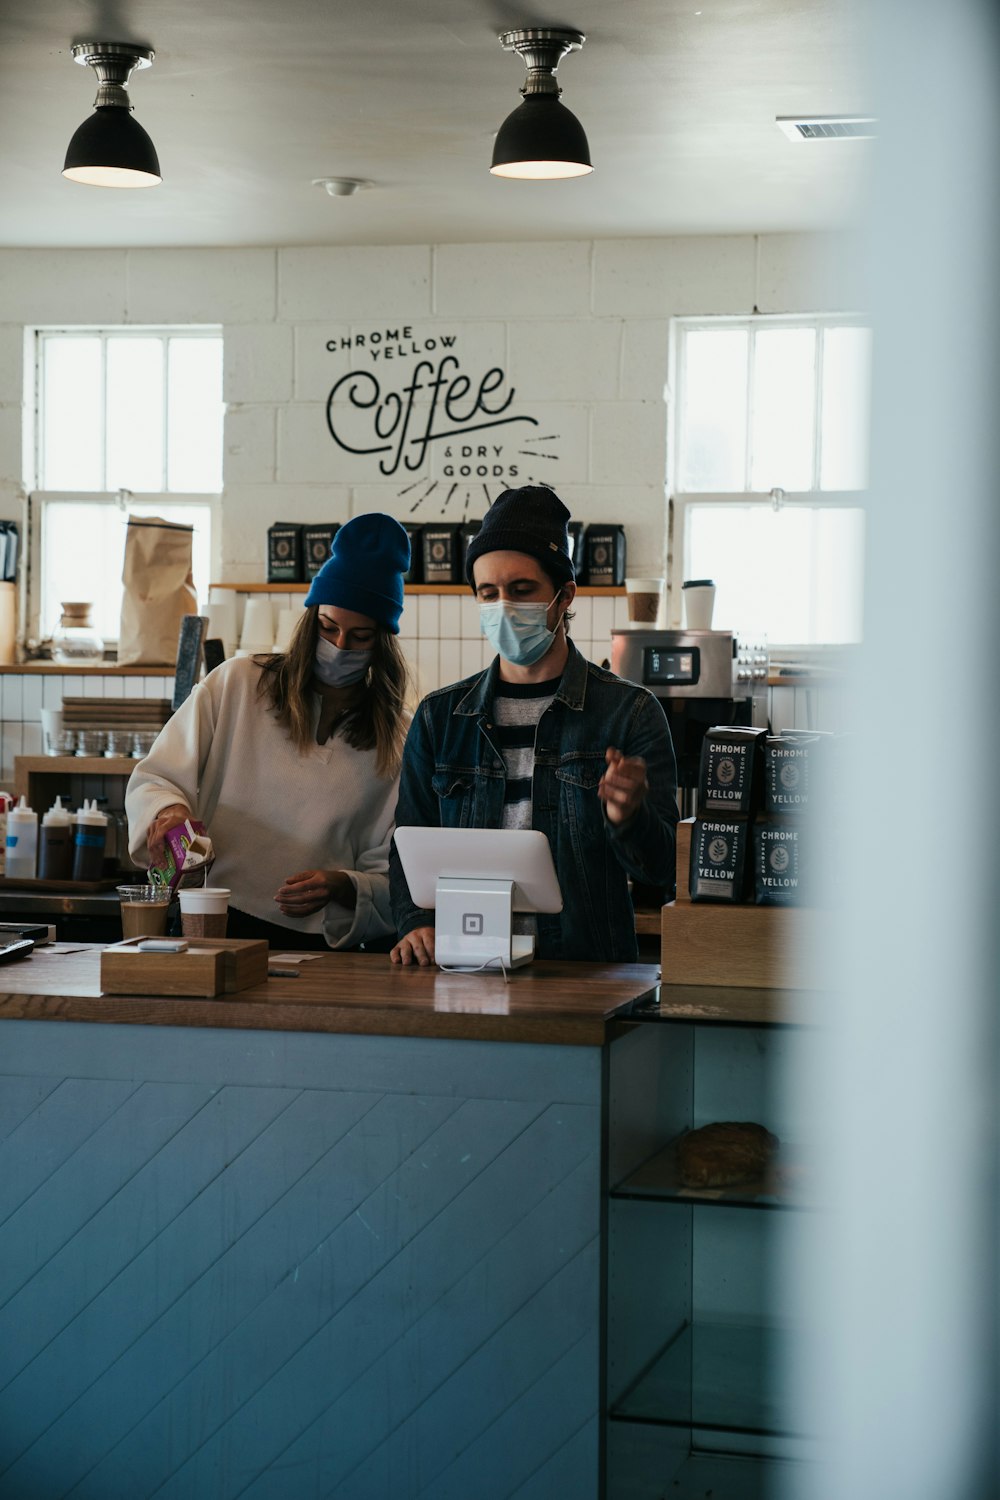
pixel 338 668
pixel 518 630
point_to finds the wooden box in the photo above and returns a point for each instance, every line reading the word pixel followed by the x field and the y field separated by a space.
pixel 758 947
pixel 211 966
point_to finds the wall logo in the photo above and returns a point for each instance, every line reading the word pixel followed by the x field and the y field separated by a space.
pixel 470 425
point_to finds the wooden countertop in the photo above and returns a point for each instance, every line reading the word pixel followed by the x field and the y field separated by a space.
pixel 567 1003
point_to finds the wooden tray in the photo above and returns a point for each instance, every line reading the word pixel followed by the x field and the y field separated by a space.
pixel 209 967
pixel 756 947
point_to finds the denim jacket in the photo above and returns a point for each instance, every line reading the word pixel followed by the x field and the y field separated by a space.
pixel 453 777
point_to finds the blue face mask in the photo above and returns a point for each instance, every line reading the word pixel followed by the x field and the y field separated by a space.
pixel 517 631
pixel 338 668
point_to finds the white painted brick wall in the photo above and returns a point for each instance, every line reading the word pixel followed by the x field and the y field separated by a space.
pixel 662 278
pixel 514 281
pixel 258 363
pixel 201 286
pixel 341 283
pixel 63 286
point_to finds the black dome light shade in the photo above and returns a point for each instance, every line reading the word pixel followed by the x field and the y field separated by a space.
pixel 111 149
pixel 541 139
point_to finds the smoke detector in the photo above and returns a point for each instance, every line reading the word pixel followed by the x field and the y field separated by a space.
pixel 827 127
pixel 342 187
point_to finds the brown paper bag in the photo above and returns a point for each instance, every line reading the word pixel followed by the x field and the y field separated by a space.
pixel 159 591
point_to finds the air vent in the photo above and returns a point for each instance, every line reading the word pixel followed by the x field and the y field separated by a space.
pixel 827 127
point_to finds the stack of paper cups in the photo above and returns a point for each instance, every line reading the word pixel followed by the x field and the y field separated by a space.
pixel 222 621
pixel 287 621
pixel 258 626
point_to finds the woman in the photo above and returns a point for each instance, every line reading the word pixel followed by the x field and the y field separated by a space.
pixel 292 760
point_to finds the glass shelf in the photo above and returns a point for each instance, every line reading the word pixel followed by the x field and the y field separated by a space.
pixel 713 1376
pixel 787 1184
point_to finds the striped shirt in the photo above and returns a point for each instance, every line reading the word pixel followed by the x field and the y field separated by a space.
pixel 517 708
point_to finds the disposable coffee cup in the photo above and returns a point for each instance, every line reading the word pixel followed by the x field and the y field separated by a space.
pixel 52 729
pixel 699 602
pixel 144 910
pixel 204 911
pixel 644 596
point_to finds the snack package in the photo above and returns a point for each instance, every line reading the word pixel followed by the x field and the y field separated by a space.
pixel 187 857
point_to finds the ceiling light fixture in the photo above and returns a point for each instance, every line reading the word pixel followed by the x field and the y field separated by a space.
pixel 110 149
pixel 541 139
pixel 342 187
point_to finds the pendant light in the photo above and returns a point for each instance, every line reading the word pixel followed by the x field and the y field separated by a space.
pixel 541 139
pixel 110 149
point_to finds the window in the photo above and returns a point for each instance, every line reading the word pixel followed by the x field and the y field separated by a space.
pixel 128 409
pixel 770 464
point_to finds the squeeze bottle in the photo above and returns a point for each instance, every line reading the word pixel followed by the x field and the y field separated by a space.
pixel 55 844
pixel 88 842
pixel 22 842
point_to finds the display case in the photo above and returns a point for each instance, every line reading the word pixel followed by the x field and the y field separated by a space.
pixel 701 1336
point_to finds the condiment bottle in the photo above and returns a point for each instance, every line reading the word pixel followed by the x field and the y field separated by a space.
pixel 21 842
pixel 6 803
pixel 88 842
pixel 55 843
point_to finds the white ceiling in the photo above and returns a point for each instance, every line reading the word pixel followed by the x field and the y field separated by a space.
pixel 249 100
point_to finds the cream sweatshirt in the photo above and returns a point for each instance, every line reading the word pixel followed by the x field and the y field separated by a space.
pixel 270 810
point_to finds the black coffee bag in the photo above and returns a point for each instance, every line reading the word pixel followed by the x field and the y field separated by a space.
pixel 316 544
pixel 720 860
pixel 442 554
pixel 778 848
pixel 793 769
pixel 284 553
pixel 730 776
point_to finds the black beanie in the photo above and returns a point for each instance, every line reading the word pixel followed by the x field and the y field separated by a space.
pixel 531 520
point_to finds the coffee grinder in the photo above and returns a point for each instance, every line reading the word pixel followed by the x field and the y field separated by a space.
pixel 703 678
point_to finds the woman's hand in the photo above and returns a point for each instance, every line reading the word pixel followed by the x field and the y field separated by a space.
pixel 417 947
pixel 168 818
pixel 311 890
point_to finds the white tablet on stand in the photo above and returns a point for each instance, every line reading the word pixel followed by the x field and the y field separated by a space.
pixel 475 879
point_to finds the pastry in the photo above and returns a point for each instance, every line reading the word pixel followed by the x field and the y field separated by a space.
pixel 725 1154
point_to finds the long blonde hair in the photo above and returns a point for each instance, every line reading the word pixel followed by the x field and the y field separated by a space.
pixel 376 720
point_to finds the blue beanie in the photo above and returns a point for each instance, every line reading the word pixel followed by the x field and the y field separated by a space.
pixel 364 571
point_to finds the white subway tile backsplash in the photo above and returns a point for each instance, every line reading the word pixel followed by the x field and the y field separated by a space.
pixel 469 616
pixel 470 656
pixel 13 698
pixel 90 687
pixel 408 619
pixel 450 617
pixel 449 662
pixel 602 622
pixel 31 743
pixel 583 615
pixel 427 616
pixel 31 705
pixel 11 741
pixel 427 665
pixel 52 691
pixel 116 687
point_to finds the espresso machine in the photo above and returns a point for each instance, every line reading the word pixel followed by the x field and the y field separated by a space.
pixel 703 678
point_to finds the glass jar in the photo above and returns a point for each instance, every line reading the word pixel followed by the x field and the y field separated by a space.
pixel 76 642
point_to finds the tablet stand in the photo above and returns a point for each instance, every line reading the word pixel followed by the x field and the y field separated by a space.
pixel 473 921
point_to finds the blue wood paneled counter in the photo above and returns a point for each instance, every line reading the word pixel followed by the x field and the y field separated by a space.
pixel 338 1237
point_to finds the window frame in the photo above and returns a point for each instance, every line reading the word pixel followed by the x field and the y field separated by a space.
pixel 38 498
pixel 679 501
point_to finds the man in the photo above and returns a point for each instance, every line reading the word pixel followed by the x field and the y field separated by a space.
pixel 542 739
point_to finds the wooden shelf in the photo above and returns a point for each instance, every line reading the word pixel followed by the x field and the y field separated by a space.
pixel 785 1186
pixel 61 669
pixel 34 774
pixel 411 588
